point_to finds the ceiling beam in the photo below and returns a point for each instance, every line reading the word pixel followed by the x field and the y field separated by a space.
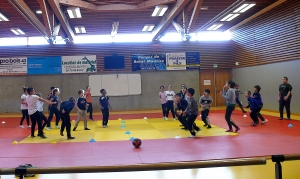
pixel 116 7
pixel 26 12
pixel 79 3
pixel 152 3
pixel 185 20
pixel 178 27
pixel 62 19
pixel 190 6
pixel 194 15
pixel 168 18
pixel 47 16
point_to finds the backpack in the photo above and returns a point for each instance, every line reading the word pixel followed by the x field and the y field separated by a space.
pixel 27 166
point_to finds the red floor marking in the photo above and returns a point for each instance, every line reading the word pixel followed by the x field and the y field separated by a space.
pixel 275 137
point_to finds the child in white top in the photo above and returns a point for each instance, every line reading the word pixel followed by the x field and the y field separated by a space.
pixel 163 100
pixel 24 108
pixel 170 94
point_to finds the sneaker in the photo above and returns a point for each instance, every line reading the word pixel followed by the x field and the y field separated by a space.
pixel 263 122
pixel 229 130
pixel 69 138
pixel 288 118
pixel 48 128
pixel 181 125
pixel 61 134
pixel 92 119
pixel 29 126
pixel 57 127
pixel 32 136
pixel 209 126
pixel 74 129
pixel 237 129
pixel 192 136
pixel 254 123
pixel 166 118
pixel 174 119
pixel 104 126
pixel 87 128
pixel 43 136
pixel 280 118
pixel 21 126
pixel 244 115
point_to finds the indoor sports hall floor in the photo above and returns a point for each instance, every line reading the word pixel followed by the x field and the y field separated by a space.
pixel 162 141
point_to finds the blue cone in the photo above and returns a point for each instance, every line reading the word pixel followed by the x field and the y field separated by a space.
pixel 123 122
pixel 290 125
pixel 127 132
pixel 92 140
pixel 122 126
pixel 132 138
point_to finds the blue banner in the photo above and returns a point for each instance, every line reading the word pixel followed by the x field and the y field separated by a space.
pixel 143 62
pixel 44 65
pixel 192 60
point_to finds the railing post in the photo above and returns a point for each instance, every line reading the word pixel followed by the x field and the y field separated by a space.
pixel 21 171
pixel 278 168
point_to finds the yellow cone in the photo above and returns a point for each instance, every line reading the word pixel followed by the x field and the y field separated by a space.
pixel 15 142
pixel 53 142
pixel 120 119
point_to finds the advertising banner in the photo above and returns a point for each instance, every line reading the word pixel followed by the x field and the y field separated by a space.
pixel 44 65
pixel 143 62
pixel 79 64
pixel 176 61
pixel 13 66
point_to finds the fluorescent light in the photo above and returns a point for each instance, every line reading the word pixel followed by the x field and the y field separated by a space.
pixel 160 10
pixel 38 12
pixel 204 8
pixel 244 7
pixel 17 31
pixel 226 17
pixel 148 27
pixel 74 12
pixel 232 17
pixel 2 17
pixel 215 27
pixel 114 28
pixel 80 30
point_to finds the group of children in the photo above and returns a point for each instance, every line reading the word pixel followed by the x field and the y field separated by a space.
pixel 32 107
pixel 186 105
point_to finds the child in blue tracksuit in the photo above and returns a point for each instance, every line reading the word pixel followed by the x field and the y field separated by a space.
pixel 257 97
pixel 104 104
pixel 254 107
pixel 65 109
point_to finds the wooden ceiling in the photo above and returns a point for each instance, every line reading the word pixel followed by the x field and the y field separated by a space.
pixel 98 15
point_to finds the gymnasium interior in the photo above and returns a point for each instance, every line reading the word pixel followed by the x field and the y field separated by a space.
pixel 131 48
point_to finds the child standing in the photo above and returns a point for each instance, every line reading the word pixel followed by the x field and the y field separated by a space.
pixel 65 109
pixel 54 109
pixel 257 97
pixel 205 102
pixel 81 104
pixel 163 100
pixel 254 107
pixel 104 104
pixel 237 99
pixel 192 112
pixel 170 102
pixel 229 97
pixel 33 112
pixel 50 96
pixel 88 97
pixel 24 108
pixel 40 105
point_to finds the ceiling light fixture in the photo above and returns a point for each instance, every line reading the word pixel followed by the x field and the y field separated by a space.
pixel 244 7
pixel 80 30
pixel 2 17
pixel 38 12
pixel 148 27
pixel 17 31
pixel 215 27
pixel 74 12
pixel 160 10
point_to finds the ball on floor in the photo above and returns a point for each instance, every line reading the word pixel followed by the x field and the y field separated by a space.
pixel 137 142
